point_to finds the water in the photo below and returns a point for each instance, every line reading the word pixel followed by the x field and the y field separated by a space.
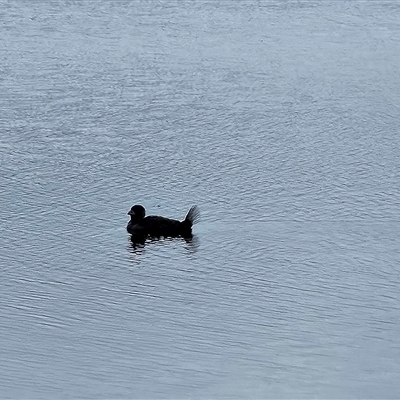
pixel 279 119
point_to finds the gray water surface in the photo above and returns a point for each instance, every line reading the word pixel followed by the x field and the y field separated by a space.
pixel 279 119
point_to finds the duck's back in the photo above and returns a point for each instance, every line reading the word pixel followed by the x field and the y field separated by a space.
pixel 160 226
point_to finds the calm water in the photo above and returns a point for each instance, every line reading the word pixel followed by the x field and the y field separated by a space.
pixel 279 119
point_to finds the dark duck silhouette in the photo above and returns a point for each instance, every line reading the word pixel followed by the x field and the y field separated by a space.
pixel 154 226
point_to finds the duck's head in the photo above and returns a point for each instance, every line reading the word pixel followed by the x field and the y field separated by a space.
pixel 137 212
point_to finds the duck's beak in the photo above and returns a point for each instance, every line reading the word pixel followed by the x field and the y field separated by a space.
pixel 131 212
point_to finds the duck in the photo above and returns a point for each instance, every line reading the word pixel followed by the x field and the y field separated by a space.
pixel 155 226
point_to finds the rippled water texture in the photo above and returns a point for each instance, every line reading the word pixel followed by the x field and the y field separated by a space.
pixel 279 119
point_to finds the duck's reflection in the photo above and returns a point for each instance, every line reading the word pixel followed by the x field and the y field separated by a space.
pixel 139 242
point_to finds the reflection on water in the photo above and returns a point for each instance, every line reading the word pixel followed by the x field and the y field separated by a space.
pixel 280 120
pixel 139 242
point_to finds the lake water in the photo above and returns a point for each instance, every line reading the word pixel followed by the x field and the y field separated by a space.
pixel 279 119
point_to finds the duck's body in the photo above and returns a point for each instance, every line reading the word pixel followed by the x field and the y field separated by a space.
pixel 155 226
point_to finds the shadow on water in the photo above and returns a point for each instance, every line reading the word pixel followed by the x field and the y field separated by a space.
pixel 138 243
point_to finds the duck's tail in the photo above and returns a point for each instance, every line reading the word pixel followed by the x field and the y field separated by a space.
pixel 193 216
